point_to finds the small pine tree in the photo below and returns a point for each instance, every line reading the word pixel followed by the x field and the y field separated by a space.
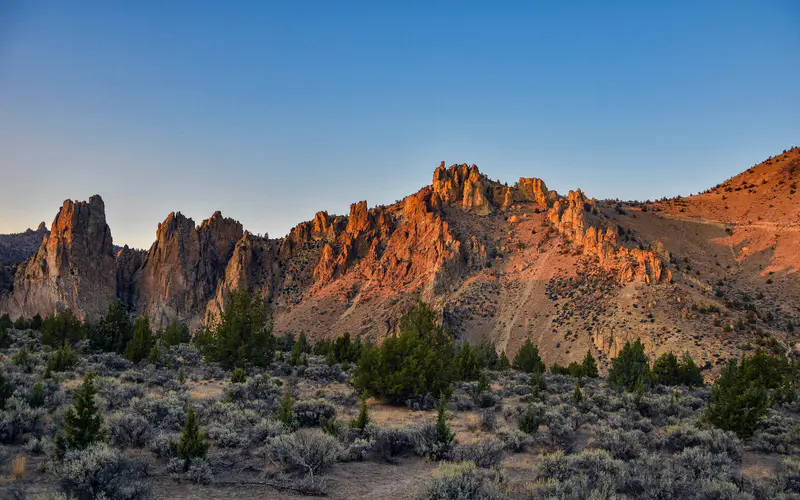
pixel 690 373
pixel 61 360
pixel 577 395
pixel 142 342
pixel 666 370
pixel 5 391
pixel 590 366
pixel 444 436
pixel 286 409
pixel 631 368
pixel 529 422
pixel 467 363
pixel 192 443
pixel 83 424
pixel 36 398
pixel 538 386
pixel 503 364
pixel 154 355
pixel 23 360
pixel 483 384
pixel 181 375
pixel 528 360
pixel 238 376
pixel 360 423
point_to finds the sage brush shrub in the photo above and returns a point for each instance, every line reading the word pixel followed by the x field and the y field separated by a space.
pixel 461 480
pixel 128 431
pixel 100 471
pixel 306 452
pixel 392 443
pixel 308 413
pixel 777 434
pixel 486 453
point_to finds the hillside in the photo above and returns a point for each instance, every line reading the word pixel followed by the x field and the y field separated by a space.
pixel 713 274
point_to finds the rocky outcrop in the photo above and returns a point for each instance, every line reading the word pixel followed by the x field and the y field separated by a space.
pixel 183 268
pixel 362 239
pixel 129 262
pixel 322 228
pixel 74 267
pixel 465 187
pixel 578 219
pixel 254 266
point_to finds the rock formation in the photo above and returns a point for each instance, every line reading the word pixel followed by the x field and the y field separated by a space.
pixel 74 267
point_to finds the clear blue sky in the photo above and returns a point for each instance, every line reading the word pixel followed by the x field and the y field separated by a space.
pixel 272 111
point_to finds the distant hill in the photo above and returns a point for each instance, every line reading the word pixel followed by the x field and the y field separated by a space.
pixel 714 274
pixel 17 248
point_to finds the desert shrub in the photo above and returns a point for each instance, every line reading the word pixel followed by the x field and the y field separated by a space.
pixel 488 420
pixel 463 480
pixel 308 413
pixel 562 421
pixel 700 463
pixel 307 451
pixel 128 431
pixel 392 443
pixel 630 370
pixel 589 470
pixel 243 334
pixel 415 363
pixel 680 437
pixel 238 376
pixel 168 412
pixel 141 343
pixel 464 402
pixel 100 471
pixel 286 409
pixel 37 396
pixel 357 450
pixel 6 390
pixel 486 453
pixel 788 480
pixel 161 444
pixel 107 364
pixel 18 419
pixel 199 471
pixel 621 444
pixel 515 440
pixel 528 360
pixel 777 434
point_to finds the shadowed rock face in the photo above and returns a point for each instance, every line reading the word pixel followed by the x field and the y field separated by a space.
pixel 74 268
pixel 183 268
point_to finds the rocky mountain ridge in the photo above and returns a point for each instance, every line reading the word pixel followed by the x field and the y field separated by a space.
pixel 500 262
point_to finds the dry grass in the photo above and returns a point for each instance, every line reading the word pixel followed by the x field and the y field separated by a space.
pixel 18 467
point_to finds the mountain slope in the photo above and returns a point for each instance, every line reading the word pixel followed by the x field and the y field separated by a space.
pixel 499 262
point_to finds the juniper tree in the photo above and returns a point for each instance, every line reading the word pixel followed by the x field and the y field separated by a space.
pixel 142 342
pixel 630 370
pixel 590 366
pixel 83 423
pixel 528 360
pixel 192 443
pixel 360 423
pixel 444 436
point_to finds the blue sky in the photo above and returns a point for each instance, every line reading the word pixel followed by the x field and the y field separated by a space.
pixel 272 111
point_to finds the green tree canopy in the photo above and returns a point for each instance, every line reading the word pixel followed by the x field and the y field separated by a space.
pixel 631 368
pixel 528 360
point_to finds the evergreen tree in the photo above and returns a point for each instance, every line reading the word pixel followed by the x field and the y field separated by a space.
pixel 5 391
pixel 577 395
pixel 503 364
pixel 690 373
pixel 286 409
pixel 360 423
pixel 192 443
pixel 538 386
pixel 83 424
pixel 141 343
pixel 528 360
pixel 444 436
pixel 23 360
pixel 302 341
pixel 61 360
pixel 529 422
pixel 590 365
pixel 36 323
pixel 175 333
pixel 238 376
pixel 6 323
pixel 154 354
pixel 666 370
pixel 415 363
pixel 483 384
pixel 487 354
pixel 243 334
pixel 36 398
pixel 738 402
pixel 113 332
pixel 468 365
pixel 181 375
pixel 64 326
pixel 631 368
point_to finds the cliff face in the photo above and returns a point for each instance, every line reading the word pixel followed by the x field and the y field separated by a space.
pixel 182 269
pixel 74 267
